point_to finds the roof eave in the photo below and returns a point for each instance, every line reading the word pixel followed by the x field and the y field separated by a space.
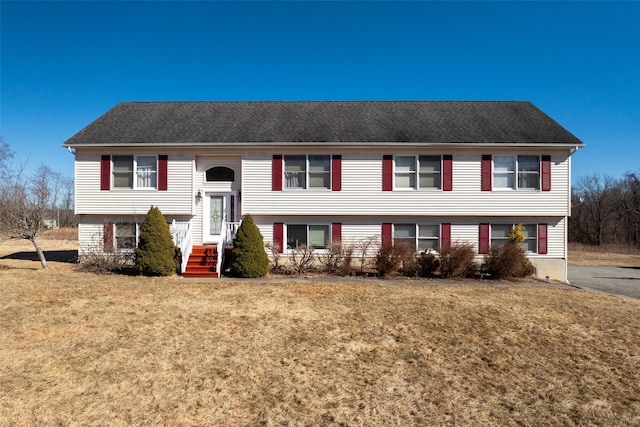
pixel 331 144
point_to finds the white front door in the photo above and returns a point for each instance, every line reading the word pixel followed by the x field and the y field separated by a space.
pixel 217 210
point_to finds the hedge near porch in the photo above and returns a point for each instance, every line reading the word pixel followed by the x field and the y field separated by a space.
pixel 249 257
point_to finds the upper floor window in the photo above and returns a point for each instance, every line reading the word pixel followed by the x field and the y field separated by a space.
pixel 516 172
pixel 500 235
pixel 135 171
pixel 418 172
pixel 421 237
pixel 220 174
pixel 307 171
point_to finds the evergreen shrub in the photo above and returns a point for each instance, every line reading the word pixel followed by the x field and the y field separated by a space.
pixel 428 263
pixel 155 254
pixel 250 259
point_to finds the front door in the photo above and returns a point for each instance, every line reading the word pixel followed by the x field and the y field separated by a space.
pixel 217 211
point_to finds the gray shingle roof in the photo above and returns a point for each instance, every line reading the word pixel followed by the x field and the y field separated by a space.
pixel 432 122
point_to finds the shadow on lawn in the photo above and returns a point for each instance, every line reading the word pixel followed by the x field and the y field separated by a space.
pixel 54 256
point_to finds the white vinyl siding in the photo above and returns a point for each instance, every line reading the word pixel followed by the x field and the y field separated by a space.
pixel 362 193
pixel 358 231
pixel 177 200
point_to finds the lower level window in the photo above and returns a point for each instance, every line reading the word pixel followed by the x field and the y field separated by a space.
pixel 500 235
pixel 421 237
pixel 315 236
pixel 126 238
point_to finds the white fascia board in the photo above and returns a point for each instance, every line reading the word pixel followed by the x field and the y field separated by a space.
pixel 331 144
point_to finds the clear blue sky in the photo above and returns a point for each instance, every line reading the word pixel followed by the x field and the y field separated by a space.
pixel 66 63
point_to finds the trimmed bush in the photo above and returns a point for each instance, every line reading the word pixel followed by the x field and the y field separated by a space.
pixel 428 263
pixel 155 254
pixel 386 262
pixel 457 260
pixel 337 259
pixel 507 260
pixel 250 260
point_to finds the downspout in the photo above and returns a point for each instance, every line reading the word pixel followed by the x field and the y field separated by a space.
pixel 572 151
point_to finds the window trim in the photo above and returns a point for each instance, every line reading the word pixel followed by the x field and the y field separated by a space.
pixel 285 235
pixel 307 172
pixel 136 236
pixel 516 172
pixel 534 225
pixel 416 236
pixel 134 172
pixel 416 173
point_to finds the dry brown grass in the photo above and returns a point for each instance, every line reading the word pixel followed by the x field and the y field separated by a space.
pixel 611 255
pixel 65 233
pixel 81 349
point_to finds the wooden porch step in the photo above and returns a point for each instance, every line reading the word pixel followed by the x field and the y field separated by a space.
pixel 202 262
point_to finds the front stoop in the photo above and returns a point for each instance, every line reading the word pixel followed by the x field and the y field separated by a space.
pixel 202 262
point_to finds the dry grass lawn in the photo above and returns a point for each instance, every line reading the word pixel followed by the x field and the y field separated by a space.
pixel 82 349
pixel 610 255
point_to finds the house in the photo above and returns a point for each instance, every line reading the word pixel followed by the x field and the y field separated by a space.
pixel 427 173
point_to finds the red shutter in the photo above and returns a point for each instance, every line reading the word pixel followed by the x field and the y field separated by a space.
pixel 542 239
pixel 387 172
pixel 107 237
pixel 276 173
pixel 336 232
pixel 447 172
pixel 387 234
pixel 163 179
pixel 278 236
pixel 105 172
pixel 546 173
pixel 486 173
pixel 336 172
pixel 483 247
pixel 445 236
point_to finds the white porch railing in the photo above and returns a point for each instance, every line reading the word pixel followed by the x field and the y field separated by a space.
pixel 229 230
pixel 181 232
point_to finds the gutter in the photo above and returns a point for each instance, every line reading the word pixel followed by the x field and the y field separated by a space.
pixel 538 145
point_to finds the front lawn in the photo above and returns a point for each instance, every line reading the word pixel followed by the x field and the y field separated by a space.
pixel 83 349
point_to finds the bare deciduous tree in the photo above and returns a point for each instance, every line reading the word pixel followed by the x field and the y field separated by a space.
pixel 606 211
pixel 25 203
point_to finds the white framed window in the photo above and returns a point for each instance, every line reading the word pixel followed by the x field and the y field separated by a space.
pixel 313 235
pixel 405 172
pixel 430 171
pixel 143 168
pixel 529 172
pixel 526 178
pixel 418 172
pixel 307 171
pixel 500 236
pixel 126 236
pixel 422 237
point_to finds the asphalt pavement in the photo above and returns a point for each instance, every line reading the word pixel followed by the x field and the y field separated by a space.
pixel 613 280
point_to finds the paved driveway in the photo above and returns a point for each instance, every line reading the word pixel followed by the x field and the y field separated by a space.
pixel 613 280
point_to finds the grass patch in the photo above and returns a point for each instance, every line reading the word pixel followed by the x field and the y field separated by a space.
pixel 65 233
pixel 85 349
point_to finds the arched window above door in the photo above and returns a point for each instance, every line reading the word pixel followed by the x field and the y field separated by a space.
pixel 220 174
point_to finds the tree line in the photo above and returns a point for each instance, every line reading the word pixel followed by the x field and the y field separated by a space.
pixel 32 203
pixel 606 210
